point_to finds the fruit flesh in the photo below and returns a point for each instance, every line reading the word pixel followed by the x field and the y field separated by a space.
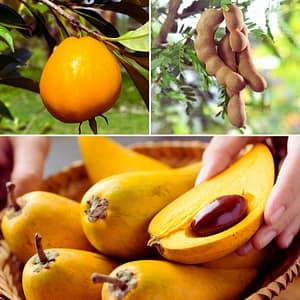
pixel 170 227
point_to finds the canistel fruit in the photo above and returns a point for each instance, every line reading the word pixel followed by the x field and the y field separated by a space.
pixel 63 274
pixel 161 280
pixel 171 227
pixel 81 80
pixel 116 211
pixel 103 157
pixel 54 216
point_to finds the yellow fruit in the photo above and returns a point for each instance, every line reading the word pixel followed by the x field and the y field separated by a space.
pixel 80 80
pixel 104 157
pixel 234 261
pixel 251 176
pixel 64 274
pixel 116 211
pixel 55 217
pixel 162 280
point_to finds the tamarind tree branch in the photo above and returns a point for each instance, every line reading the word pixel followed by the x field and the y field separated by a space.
pixel 167 26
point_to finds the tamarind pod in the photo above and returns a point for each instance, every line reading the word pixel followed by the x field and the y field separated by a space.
pixel 207 49
pixel 206 28
pixel 229 92
pixel 224 75
pixel 209 21
pixel 238 41
pixel 245 31
pixel 207 53
pixel 225 52
pixel 247 69
pixel 245 63
pixel 233 17
pixel 236 111
pixel 235 23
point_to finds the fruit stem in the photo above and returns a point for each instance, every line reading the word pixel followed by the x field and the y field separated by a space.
pixel 39 249
pixel 100 278
pixel 11 195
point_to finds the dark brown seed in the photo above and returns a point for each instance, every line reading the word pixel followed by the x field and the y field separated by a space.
pixel 219 215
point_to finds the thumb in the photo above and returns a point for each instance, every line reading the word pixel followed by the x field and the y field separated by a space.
pixel 219 154
pixel 29 155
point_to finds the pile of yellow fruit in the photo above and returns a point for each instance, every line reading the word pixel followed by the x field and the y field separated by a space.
pixel 103 248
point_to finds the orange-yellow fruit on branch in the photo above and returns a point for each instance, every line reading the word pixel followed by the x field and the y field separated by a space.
pixel 81 80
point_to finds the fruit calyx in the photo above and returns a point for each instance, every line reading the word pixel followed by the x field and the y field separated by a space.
pixel 11 196
pixel 120 285
pixel 97 209
pixel 155 242
pixel 42 259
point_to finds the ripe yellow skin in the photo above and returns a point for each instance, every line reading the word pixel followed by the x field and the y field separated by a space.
pixel 132 200
pixel 162 280
pixel 67 277
pixel 55 217
pixel 104 157
pixel 81 80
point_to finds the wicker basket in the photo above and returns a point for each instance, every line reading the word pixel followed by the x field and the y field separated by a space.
pixel 276 274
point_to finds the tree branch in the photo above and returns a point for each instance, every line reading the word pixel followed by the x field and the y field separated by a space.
pixel 71 19
pixel 167 26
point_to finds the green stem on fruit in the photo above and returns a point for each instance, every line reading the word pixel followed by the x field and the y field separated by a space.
pixel 11 195
pixel 101 278
pixel 39 249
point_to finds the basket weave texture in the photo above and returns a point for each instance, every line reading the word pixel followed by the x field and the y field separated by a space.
pixel 72 182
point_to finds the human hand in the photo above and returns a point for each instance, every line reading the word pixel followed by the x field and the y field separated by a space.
pixel 281 215
pixel 22 162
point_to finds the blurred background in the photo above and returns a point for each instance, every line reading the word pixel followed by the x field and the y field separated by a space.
pixel 185 101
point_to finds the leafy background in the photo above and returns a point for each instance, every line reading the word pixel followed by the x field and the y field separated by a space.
pixel 186 101
pixel 29 30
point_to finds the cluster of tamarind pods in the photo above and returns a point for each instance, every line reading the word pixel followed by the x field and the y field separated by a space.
pixel 229 60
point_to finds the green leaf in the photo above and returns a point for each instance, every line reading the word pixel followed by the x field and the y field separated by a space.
pixel 4 111
pixel 224 4
pixel 6 36
pixel 137 40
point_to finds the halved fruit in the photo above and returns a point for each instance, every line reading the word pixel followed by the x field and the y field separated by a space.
pixel 251 176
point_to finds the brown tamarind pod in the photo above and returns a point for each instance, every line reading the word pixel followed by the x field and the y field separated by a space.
pixel 207 52
pixel 235 23
pixel 226 54
pixel 229 92
pixel 236 111
pixel 247 69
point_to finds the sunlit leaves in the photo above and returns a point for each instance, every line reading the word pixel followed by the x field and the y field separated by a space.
pixel 137 40
pixel 6 36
